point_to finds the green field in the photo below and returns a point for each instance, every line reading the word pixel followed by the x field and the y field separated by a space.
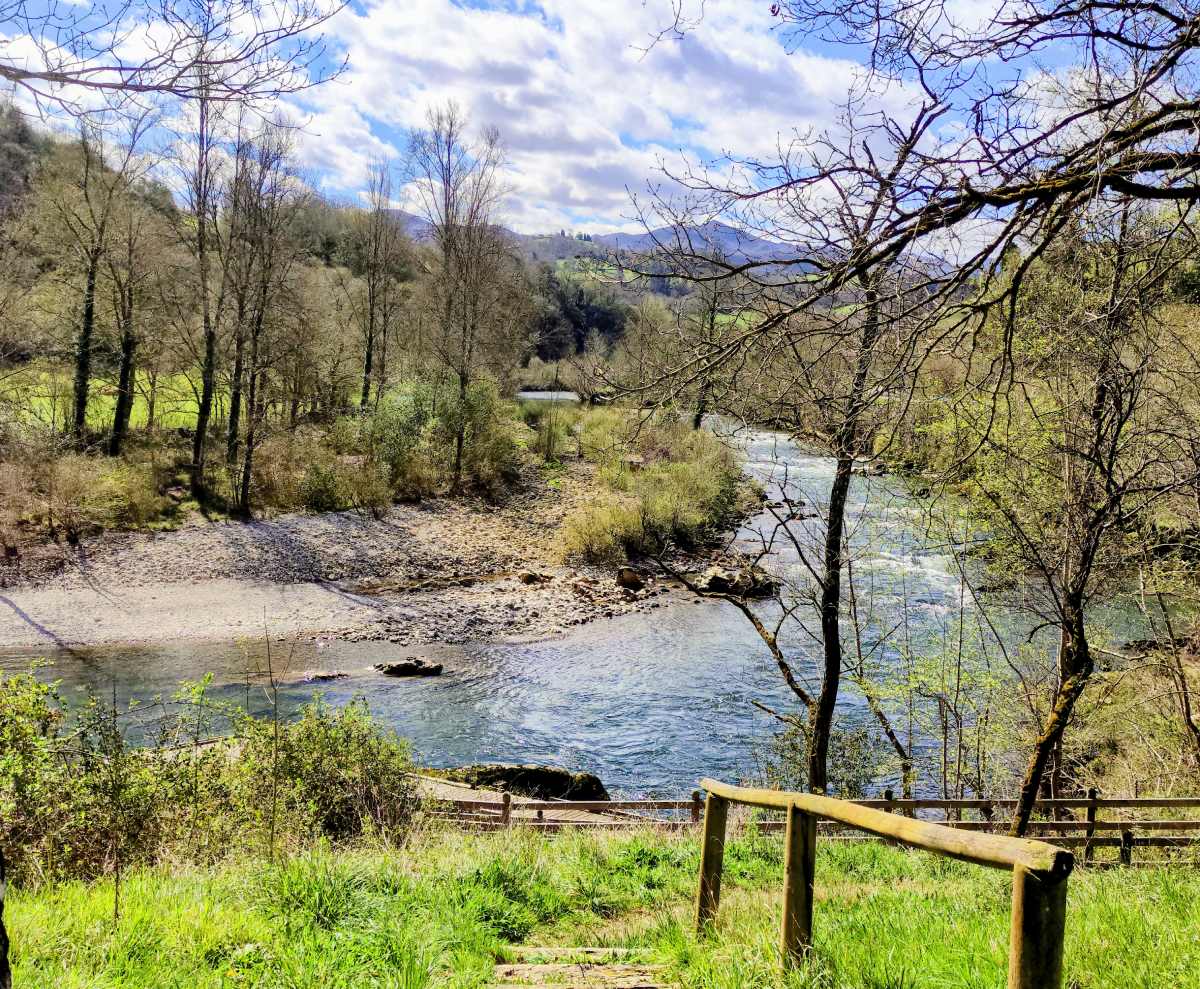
pixel 45 396
pixel 442 910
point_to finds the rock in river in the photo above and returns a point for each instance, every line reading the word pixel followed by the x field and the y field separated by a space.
pixel 538 782
pixel 410 668
pixel 322 676
pixel 747 582
pixel 630 579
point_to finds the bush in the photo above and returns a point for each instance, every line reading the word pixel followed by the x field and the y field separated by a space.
pixel 414 434
pixel 78 495
pixel 368 490
pixel 77 802
pixel 555 424
pixel 672 486
pixel 335 773
pixel 492 439
pixel 609 530
pixel 321 489
pixel 400 435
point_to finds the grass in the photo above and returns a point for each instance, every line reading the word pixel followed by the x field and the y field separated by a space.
pixel 45 396
pixel 664 482
pixel 439 912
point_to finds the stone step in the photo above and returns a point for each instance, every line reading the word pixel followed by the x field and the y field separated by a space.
pixel 579 973
pixel 628 983
pixel 531 952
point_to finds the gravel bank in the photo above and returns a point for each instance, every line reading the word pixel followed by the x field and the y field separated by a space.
pixel 444 571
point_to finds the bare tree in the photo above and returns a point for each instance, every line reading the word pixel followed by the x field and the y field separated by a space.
pixel 1093 435
pixel 1004 155
pixel 831 369
pixel 378 250
pixel 475 281
pixel 201 181
pixel 135 266
pixel 222 50
pixel 272 195
pixel 79 197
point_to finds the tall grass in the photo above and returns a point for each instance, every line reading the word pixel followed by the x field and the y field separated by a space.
pixel 440 910
pixel 666 485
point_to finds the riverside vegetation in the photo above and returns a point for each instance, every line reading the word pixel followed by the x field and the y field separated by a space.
pixel 233 344
pixel 297 855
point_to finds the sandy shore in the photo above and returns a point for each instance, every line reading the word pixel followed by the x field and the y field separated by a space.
pixel 444 571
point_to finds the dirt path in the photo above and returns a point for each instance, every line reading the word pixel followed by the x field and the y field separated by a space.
pixel 443 571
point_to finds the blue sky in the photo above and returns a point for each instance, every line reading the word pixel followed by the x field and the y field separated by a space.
pixel 586 112
pixel 590 110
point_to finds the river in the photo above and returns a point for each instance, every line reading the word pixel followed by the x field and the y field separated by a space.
pixel 650 702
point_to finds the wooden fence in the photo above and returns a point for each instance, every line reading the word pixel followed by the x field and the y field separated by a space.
pixel 1087 823
pixel 1040 872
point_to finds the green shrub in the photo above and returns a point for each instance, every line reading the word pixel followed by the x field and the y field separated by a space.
pixel 334 772
pixel 349 435
pixel 493 440
pixel 555 424
pixel 609 530
pixel 78 495
pixel 77 801
pixel 322 488
pixel 672 486
pixel 400 436
pixel 368 489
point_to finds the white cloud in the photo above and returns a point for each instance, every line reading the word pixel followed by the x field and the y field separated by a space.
pixel 586 112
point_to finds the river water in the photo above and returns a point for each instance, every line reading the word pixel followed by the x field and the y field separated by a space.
pixel 650 702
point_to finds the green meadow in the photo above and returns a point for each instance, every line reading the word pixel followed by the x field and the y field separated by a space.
pixel 443 909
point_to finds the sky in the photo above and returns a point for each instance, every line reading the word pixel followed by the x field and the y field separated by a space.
pixel 588 108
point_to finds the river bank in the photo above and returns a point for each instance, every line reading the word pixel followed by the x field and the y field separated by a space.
pixel 442 571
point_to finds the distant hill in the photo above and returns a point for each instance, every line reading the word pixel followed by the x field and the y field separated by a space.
pixel 417 227
pixel 736 245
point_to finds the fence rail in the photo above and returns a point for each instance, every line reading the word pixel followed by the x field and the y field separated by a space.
pixel 1097 827
pixel 1040 872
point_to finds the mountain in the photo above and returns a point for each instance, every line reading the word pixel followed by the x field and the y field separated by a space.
pixel 417 227
pixel 736 245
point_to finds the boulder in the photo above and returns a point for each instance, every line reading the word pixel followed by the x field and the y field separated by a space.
pixel 744 582
pixel 630 579
pixel 538 782
pixel 410 668
pixel 322 676
pixel 532 577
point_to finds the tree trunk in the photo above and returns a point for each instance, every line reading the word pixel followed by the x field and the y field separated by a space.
pixel 152 400
pixel 701 408
pixel 125 381
pixel 381 369
pixel 461 436
pixel 1077 667
pixel 235 394
pixel 368 357
pixel 253 410
pixel 831 632
pixel 252 403
pixel 208 371
pixel 83 350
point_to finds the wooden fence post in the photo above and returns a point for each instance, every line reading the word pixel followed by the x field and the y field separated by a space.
pixel 712 855
pixel 695 806
pixel 1039 917
pixel 5 973
pixel 800 851
pixel 1127 847
pixel 506 808
pixel 1090 833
